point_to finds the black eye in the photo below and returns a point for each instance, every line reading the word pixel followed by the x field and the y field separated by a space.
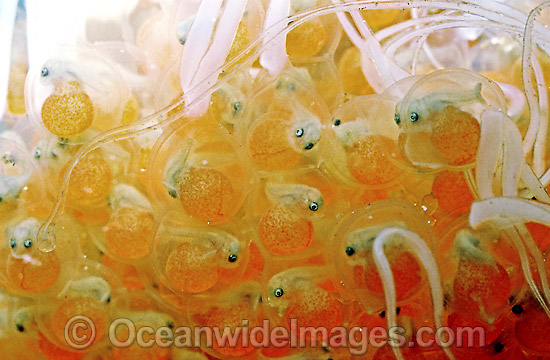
pixel 28 243
pixel 44 72
pixel 499 348
pixel 232 258
pixel 20 327
pixel 313 206
pixel 414 117
pixel 397 118
pixel 517 309
pixel 350 251
pixel 299 132
pixel 337 122
pixel 278 292
pixel 308 146
pixel 13 243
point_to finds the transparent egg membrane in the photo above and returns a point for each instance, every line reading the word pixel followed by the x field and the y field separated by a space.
pixel 358 164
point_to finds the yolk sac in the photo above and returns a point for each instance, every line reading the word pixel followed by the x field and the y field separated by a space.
pixel 86 306
pixel 36 271
pixel 540 233
pixel 451 191
pixel 68 111
pixel 54 352
pixel 351 74
pixel 380 18
pixel 232 318
pixel 189 268
pixel 270 145
pixel 481 287
pixel 368 159
pixel 306 40
pixel 407 274
pixel 491 331
pixel 283 232
pixel 141 318
pixel 315 307
pixel 531 330
pixel 129 232
pixel 206 194
pixel 131 110
pixel 127 273
pixel 240 41
pixel 455 134
pixel 255 263
pixel 90 180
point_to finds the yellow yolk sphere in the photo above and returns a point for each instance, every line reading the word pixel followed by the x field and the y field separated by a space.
pixel 131 111
pixel 190 269
pixel 36 272
pixel 85 306
pixel 206 194
pixel 306 40
pixel 68 111
pixel 455 134
pixel 451 190
pixel 240 42
pixel 407 275
pixel 232 318
pixel 129 232
pixel 270 147
pixel 351 73
pixel 90 180
pixel 369 159
pixel 283 232
pixel 380 18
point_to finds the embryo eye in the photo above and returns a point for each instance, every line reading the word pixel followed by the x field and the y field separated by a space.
pixel 299 132
pixel 28 243
pixel 414 117
pixel 278 292
pixel 232 258
pixel 313 206
pixel 397 118
pixel 237 106
pixel 309 146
